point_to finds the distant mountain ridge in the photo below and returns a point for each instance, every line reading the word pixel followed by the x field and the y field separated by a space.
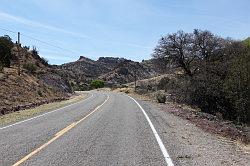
pixel 112 70
pixel 28 80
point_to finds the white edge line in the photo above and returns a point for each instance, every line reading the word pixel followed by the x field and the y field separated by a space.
pixel 162 147
pixel 44 114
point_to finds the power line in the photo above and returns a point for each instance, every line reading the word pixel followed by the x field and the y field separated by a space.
pixel 7 30
pixel 49 44
pixel 52 45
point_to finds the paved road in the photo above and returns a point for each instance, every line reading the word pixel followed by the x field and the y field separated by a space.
pixel 105 129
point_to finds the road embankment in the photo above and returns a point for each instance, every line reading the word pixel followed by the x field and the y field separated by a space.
pixel 20 115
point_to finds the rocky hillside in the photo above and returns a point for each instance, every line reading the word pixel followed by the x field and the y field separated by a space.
pixel 113 71
pixel 29 81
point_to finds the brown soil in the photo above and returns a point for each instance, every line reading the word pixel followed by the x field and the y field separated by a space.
pixel 24 91
pixel 209 123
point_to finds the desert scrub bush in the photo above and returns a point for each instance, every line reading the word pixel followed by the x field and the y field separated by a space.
pixel 126 91
pixel 216 72
pixel 44 61
pixel 1 68
pixel 35 54
pixel 30 67
pixel 178 87
pixel 161 98
pixel 236 86
pixel 27 48
pixel 39 92
pixel 163 83
pixel 80 87
pixel 97 84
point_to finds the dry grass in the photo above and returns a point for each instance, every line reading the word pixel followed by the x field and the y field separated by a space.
pixel 25 114
pixel 18 90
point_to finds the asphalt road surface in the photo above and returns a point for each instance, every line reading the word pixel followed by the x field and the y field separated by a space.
pixel 105 129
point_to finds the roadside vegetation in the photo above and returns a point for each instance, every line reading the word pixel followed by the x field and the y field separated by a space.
pixel 5 51
pixel 97 84
pixel 87 85
pixel 215 73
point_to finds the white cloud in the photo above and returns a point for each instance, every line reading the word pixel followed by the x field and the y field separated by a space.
pixel 9 17
pixel 17 19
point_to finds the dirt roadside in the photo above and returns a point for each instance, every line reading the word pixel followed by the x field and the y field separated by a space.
pixel 195 138
pixel 189 144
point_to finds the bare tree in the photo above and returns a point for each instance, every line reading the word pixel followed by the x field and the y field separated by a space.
pixel 208 45
pixel 177 48
pixel 187 50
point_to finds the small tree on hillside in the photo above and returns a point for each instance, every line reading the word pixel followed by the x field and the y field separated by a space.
pixel 5 51
pixel 34 52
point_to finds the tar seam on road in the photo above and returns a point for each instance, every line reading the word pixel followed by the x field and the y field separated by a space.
pixel 57 135
pixel 160 143
pixel 44 114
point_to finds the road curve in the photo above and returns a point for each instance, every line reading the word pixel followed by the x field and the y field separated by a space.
pixel 106 129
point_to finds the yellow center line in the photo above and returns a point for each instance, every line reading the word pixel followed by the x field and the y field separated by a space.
pixel 57 135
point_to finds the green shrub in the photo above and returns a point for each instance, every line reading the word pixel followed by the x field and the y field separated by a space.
pixel 236 86
pixel 30 67
pixel 247 42
pixel 39 92
pixel 1 68
pixel 5 51
pixel 163 83
pixel 161 98
pixel 97 84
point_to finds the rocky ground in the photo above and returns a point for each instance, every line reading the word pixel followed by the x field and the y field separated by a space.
pixel 25 91
pixel 30 82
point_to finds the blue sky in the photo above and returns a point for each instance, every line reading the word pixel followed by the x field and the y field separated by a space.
pixel 119 28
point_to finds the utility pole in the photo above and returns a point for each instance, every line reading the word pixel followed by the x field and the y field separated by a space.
pixel 18 38
pixel 18 57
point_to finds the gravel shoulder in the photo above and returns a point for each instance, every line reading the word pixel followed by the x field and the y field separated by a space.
pixel 189 144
